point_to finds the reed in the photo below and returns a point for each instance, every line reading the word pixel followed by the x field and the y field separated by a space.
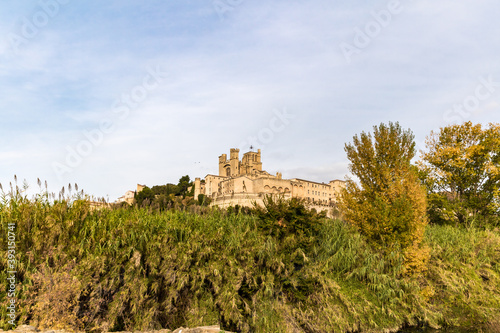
pixel 281 269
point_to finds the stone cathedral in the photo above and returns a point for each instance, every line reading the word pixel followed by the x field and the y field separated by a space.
pixel 242 182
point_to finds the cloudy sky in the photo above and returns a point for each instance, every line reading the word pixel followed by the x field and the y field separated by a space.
pixel 108 94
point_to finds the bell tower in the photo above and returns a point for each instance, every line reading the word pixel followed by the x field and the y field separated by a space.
pixel 223 165
pixel 251 162
pixel 235 162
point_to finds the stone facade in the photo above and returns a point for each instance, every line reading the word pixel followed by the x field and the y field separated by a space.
pixel 129 195
pixel 128 198
pixel 244 182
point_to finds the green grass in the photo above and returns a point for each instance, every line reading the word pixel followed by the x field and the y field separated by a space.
pixel 464 274
pixel 136 269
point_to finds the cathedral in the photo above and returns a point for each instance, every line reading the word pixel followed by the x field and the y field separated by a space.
pixel 243 182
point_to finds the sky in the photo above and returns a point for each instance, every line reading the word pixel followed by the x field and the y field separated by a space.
pixel 110 94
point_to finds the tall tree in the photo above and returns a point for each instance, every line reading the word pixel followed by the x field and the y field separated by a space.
pixel 184 185
pixel 461 169
pixel 389 204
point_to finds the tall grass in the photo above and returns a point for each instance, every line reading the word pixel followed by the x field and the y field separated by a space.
pixel 464 274
pixel 137 269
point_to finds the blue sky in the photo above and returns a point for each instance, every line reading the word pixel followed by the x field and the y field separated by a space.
pixel 108 94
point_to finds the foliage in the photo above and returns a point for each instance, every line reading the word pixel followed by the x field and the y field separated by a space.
pixel 161 197
pixel 144 197
pixel 165 189
pixel 461 170
pixel 389 205
pixel 203 200
pixel 181 189
pixel 184 186
pixel 281 218
pixel 464 275
pixel 141 269
pixel 296 232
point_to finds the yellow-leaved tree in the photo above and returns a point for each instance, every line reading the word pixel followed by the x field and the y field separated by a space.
pixel 388 205
pixel 461 169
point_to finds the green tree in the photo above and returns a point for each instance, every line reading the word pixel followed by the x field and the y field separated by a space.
pixel 165 189
pixel 144 197
pixel 297 232
pixel 389 204
pixel 461 172
pixel 184 185
pixel 203 200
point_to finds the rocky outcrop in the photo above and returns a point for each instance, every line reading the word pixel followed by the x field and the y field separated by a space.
pixel 204 329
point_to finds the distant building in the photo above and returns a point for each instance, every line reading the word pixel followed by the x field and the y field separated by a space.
pixel 244 182
pixel 98 205
pixel 129 195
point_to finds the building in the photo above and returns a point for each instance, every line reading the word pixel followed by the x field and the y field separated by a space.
pixel 243 182
pixel 129 195
pixel 98 205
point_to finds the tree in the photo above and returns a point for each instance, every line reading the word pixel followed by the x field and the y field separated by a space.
pixel 144 197
pixel 297 233
pixel 389 204
pixel 203 200
pixel 165 189
pixel 461 172
pixel 184 185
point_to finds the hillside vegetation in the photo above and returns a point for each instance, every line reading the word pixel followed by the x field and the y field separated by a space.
pixel 280 269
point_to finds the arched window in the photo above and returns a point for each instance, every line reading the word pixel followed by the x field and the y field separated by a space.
pixel 228 172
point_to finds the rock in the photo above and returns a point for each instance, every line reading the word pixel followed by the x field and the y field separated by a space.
pixel 204 329
pixel 180 330
pixel 207 329
pixel 25 328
